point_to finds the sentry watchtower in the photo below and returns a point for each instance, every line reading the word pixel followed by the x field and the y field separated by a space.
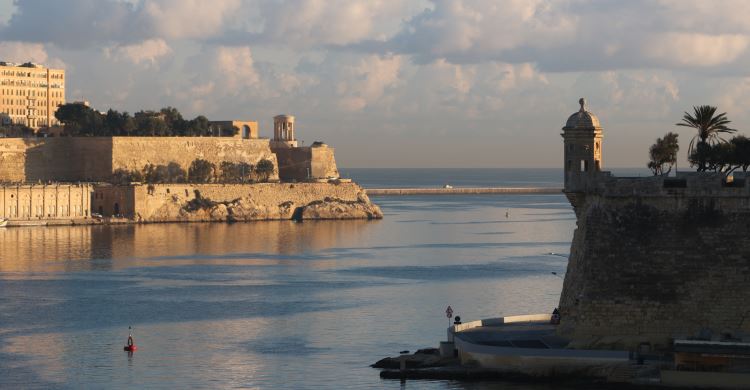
pixel 582 137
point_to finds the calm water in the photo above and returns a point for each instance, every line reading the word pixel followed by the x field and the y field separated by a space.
pixel 271 304
pixel 461 177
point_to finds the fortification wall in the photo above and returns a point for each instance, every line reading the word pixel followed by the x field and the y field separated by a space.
pixel 301 163
pixel 656 259
pixel 236 202
pixel 75 159
pixel 12 159
pixel 323 162
pixel 135 152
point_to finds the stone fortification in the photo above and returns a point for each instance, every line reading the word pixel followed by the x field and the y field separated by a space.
pixel 654 259
pixel 235 202
pixel 75 159
pixel 310 162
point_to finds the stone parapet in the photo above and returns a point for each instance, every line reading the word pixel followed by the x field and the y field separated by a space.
pixel 685 184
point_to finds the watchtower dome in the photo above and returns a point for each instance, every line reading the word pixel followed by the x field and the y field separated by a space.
pixel 582 137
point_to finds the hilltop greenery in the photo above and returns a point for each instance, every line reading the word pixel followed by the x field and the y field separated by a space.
pixel 710 126
pixel 200 171
pixel 81 120
pixel 708 150
pixel 663 154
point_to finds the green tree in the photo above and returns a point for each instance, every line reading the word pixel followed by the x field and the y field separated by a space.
pixel 264 169
pixel 199 126
pixel 741 151
pixel 235 172
pixel 175 173
pixel 124 177
pixel 709 128
pixel 201 171
pixel 229 131
pixel 663 154
pixel 156 174
pixel 79 119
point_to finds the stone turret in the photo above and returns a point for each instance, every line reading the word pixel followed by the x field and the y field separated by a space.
pixel 582 137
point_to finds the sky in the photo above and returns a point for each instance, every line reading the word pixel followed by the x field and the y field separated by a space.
pixel 389 83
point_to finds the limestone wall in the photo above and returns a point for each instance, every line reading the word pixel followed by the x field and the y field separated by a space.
pixel 12 159
pixel 301 163
pixel 237 202
pixel 75 159
pixel 45 202
pixel 323 162
pixel 653 261
pixel 135 152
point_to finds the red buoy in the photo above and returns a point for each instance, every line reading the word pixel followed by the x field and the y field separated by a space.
pixel 130 346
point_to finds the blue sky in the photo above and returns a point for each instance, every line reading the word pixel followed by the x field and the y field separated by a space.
pixel 431 83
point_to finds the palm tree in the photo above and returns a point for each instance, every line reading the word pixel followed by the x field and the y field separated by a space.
pixel 709 127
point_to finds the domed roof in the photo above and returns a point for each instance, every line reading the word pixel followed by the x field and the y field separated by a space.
pixel 582 119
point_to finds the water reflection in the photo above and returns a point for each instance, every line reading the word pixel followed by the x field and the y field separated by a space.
pixel 88 248
pixel 269 305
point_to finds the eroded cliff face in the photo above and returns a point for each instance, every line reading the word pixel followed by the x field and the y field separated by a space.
pixel 254 202
pixel 658 267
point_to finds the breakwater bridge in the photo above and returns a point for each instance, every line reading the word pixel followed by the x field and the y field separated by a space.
pixel 464 191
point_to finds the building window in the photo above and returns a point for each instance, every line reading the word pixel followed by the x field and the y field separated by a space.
pixel 584 166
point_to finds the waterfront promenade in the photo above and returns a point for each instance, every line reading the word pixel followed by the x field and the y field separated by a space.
pixel 463 191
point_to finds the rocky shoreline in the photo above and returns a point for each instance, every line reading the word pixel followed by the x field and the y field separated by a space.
pixel 246 210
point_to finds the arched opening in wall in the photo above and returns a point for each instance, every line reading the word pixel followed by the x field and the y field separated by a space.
pixel 117 209
pixel 245 131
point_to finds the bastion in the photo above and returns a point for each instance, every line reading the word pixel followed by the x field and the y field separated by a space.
pixel 303 184
pixel 652 259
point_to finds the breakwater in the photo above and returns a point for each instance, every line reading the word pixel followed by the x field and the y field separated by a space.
pixel 463 191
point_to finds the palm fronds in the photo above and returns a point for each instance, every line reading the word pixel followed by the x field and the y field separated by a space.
pixel 709 125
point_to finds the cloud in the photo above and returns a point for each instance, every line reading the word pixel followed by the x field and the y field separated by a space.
pixel 23 52
pixel 81 24
pixel 574 35
pixel 354 71
pixel 187 18
pixel 145 53
pixel 73 24
pixel 699 50
pixel 366 82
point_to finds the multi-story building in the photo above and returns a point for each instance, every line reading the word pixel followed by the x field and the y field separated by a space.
pixel 30 94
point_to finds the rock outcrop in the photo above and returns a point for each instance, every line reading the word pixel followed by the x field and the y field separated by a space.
pixel 252 202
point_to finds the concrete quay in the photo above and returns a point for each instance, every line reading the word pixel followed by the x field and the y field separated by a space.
pixel 463 191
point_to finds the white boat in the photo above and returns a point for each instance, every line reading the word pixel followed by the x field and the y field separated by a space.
pixel 3 222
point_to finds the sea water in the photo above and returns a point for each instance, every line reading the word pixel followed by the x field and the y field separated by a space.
pixel 277 305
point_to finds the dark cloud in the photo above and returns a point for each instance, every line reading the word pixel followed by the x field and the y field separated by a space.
pixel 73 24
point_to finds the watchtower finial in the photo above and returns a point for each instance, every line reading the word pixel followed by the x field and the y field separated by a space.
pixel 582 102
